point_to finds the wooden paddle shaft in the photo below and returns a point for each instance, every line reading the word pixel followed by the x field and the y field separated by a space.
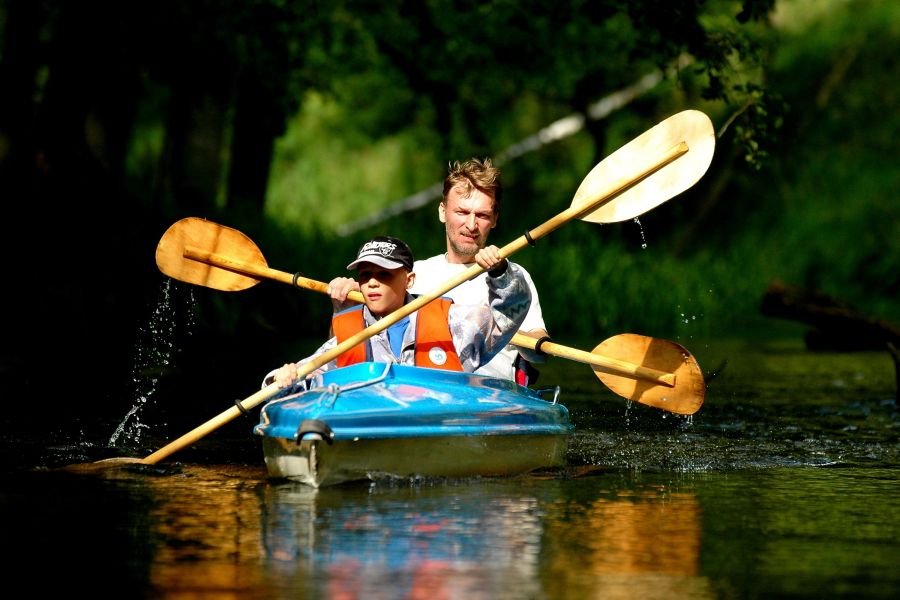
pixel 255 270
pixel 603 363
pixel 607 364
pixel 211 425
pixel 592 203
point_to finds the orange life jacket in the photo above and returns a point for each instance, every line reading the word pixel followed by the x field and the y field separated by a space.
pixel 434 344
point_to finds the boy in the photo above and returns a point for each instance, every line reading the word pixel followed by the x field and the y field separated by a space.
pixel 440 335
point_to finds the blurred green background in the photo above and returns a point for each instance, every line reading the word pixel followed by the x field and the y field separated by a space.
pixel 307 124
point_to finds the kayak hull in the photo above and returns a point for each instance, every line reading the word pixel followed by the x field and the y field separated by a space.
pixel 319 464
pixel 375 420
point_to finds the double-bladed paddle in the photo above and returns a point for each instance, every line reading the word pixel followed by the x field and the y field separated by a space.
pixel 649 170
pixel 651 371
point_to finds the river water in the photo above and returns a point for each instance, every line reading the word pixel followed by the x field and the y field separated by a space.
pixel 786 483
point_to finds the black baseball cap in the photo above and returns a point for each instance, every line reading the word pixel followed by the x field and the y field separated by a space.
pixel 385 251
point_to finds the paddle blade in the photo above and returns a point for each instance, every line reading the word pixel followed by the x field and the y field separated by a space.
pixel 102 465
pixel 685 398
pixel 211 237
pixel 691 127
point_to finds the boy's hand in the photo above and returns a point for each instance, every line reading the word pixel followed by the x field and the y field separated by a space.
pixel 338 288
pixel 286 375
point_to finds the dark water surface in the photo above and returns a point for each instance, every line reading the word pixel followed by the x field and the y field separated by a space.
pixel 785 484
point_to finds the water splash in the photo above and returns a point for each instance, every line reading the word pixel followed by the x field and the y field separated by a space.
pixel 643 237
pixel 155 350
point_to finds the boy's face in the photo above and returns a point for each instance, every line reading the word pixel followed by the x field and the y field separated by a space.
pixel 384 289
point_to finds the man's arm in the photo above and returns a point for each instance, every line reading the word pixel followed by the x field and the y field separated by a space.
pixel 533 326
pixel 480 331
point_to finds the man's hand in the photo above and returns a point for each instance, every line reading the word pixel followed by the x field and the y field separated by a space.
pixel 531 355
pixel 489 258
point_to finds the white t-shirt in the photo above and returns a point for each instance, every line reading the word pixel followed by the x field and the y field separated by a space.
pixel 436 271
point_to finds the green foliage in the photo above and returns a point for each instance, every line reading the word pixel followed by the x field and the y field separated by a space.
pixel 348 174
pixel 115 123
pixel 810 199
pixel 802 189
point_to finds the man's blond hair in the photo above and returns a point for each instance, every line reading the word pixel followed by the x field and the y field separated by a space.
pixel 475 173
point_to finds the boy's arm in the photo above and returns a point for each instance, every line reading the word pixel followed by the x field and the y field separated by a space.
pixel 286 373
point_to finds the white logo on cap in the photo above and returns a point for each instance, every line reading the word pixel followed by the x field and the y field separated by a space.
pixel 437 355
pixel 382 248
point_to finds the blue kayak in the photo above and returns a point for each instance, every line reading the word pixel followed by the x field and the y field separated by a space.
pixel 375 420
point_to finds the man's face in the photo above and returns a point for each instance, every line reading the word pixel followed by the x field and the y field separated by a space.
pixel 468 219
pixel 384 289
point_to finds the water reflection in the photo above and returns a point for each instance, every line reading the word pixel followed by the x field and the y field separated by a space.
pixel 230 532
pixel 487 540
pixel 226 531
pixel 641 542
pixel 440 540
pixel 768 492
pixel 206 527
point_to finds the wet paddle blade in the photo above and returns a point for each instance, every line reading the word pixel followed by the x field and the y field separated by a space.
pixel 685 398
pixel 690 127
pixel 102 465
pixel 206 236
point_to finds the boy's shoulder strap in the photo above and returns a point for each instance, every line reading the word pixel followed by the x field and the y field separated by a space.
pixel 345 325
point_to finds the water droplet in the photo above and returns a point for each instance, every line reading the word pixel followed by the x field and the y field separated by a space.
pixel 641 229
pixel 154 349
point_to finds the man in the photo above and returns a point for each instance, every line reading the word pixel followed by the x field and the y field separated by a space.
pixel 443 334
pixel 469 209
